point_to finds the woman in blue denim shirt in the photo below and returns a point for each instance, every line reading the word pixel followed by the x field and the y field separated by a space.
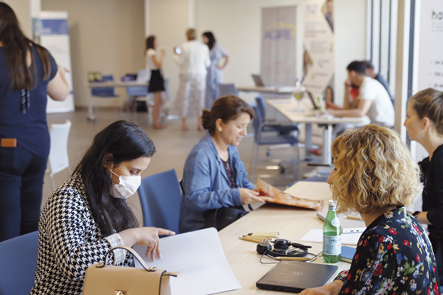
pixel 214 176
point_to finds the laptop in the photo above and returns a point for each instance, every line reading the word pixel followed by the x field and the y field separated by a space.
pixel 258 80
pixel 350 222
pixel 291 276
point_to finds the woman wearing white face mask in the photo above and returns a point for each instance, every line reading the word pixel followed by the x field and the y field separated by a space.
pixel 89 214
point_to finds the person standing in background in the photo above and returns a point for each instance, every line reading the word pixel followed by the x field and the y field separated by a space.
pixel 156 83
pixel 27 73
pixel 214 76
pixel 193 60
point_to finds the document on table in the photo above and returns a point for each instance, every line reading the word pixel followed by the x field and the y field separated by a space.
pixel 316 235
pixel 199 258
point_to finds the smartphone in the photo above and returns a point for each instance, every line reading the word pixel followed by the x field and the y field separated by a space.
pixel 177 50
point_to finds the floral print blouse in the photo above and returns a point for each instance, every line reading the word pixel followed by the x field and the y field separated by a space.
pixel 393 256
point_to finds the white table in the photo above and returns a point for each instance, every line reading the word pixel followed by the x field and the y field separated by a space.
pixel 291 222
pixel 115 84
pixel 288 108
pixel 263 89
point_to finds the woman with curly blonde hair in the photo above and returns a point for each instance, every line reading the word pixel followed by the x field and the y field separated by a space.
pixel 375 175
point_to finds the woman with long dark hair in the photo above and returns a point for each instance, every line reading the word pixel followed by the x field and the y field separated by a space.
pixel 214 76
pixel 89 214
pixel 214 176
pixel 156 83
pixel 27 73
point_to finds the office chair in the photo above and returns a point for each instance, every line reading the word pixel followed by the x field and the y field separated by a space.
pixel 58 159
pixel 227 89
pixel 268 127
pixel 18 258
pixel 160 198
pixel 261 140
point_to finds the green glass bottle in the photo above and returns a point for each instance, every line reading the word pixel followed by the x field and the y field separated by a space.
pixel 332 235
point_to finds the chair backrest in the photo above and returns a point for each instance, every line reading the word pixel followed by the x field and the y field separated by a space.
pixel 227 89
pixel 58 154
pixel 104 91
pixel 18 259
pixel 257 122
pixel 261 105
pixel 160 198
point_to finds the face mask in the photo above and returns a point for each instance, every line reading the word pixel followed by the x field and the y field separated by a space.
pixel 126 187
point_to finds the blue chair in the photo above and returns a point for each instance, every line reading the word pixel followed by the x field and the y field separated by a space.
pixel 227 89
pixel 160 198
pixel 18 260
pixel 260 140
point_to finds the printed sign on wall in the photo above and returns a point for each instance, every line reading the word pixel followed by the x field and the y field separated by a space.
pixel 431 44
pixel 318 54
pixel 278 46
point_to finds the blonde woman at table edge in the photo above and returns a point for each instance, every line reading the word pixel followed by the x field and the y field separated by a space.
pixel 424 124
pixel 89 214
pixel 375 175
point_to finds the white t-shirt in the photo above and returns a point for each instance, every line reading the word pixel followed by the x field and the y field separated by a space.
pixel 194 58
pixel 149 63
pixel 381 111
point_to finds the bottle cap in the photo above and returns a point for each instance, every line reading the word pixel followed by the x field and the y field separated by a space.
pixel 332 203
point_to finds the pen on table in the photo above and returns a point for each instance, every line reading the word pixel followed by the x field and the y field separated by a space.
pixel 354 217
pixel 292 258
pixel 270 234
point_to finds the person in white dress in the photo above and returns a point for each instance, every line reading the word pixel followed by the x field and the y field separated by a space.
pixel 193 60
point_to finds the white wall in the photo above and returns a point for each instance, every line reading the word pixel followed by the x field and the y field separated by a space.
pixel 22 9
pixel 168 20
pixel 106 36
pixel 237 27
pixel 350 39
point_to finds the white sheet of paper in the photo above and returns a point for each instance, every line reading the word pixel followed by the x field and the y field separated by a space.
pixel 199 258
pixel 316 235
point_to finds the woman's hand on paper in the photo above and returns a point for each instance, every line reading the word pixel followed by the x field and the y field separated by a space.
pixel 145 236
pixel 248 196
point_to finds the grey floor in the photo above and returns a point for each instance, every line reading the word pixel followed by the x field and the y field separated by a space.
pixel 172 146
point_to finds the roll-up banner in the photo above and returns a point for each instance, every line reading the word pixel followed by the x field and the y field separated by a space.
pixel 278 46
pixel 318 52
pixel 54 36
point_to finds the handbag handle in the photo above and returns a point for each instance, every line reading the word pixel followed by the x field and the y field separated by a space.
pixel 139 259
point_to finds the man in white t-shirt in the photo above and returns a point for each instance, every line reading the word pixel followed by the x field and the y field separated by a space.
pixel 373 99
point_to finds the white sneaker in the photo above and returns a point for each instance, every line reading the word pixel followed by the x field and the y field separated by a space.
pixel 312 173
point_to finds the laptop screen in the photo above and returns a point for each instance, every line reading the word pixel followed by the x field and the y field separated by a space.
pixel 258 80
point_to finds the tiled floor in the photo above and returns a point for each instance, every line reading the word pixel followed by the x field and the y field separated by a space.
pixel 171 143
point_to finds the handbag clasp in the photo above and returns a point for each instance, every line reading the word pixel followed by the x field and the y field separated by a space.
pixel 121 292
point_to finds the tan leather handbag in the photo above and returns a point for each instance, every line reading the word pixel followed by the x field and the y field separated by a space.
pixel 121 280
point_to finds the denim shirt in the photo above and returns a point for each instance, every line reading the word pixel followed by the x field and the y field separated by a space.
pixel 206 184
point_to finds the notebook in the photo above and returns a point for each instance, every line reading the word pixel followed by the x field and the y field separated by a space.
pixel 347 254
pixel 290 276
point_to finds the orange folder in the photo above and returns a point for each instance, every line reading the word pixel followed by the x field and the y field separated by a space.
pixel 273 195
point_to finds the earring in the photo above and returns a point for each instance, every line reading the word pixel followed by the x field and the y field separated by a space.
pixel 219 129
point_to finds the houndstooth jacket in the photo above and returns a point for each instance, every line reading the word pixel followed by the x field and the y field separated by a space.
pixel 70 241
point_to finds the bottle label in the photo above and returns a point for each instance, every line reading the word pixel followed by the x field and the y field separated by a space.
pixel 336 222
pixel 332 245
